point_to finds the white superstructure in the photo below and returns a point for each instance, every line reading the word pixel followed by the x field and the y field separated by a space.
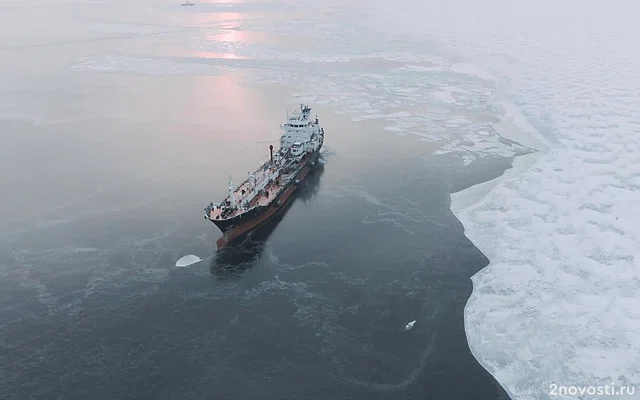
pixel 301 130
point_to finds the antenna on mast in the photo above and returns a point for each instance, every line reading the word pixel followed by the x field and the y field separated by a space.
pixel 231 196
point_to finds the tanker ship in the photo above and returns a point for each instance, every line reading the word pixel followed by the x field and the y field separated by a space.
pixel 266 192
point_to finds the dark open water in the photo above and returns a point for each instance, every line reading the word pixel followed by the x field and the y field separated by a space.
pixel 313 307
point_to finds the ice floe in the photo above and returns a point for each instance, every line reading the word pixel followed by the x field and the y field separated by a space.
pixel 188 260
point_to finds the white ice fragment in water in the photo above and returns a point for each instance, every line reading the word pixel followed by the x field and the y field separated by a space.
pixel 409 325
pixel 187 260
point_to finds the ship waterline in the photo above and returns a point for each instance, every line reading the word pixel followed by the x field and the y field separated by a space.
pixel 268 190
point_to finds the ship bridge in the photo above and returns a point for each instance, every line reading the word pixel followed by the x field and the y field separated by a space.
pixel 299 128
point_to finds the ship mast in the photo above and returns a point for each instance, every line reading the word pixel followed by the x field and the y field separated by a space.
pixel 231 196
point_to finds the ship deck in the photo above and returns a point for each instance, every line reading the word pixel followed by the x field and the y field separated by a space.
pixel 260 200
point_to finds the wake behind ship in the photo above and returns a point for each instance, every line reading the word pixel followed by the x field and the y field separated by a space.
pixel 267 191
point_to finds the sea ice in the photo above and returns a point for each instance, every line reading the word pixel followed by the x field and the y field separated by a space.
pixel 413 89
pixel 444 97
pixel 188 260
pixel 143 65
pixel 124 28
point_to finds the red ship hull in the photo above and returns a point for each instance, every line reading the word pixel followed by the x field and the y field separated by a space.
pixel 277 207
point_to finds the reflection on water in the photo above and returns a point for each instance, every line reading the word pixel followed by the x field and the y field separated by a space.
pixel 216 56
pixel 234 35
pixel 233 259
pixel 218 18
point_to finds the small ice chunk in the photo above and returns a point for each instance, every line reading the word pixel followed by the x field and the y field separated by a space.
pixel 187 260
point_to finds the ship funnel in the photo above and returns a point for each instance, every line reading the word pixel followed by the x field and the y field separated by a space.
pixel 271 152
